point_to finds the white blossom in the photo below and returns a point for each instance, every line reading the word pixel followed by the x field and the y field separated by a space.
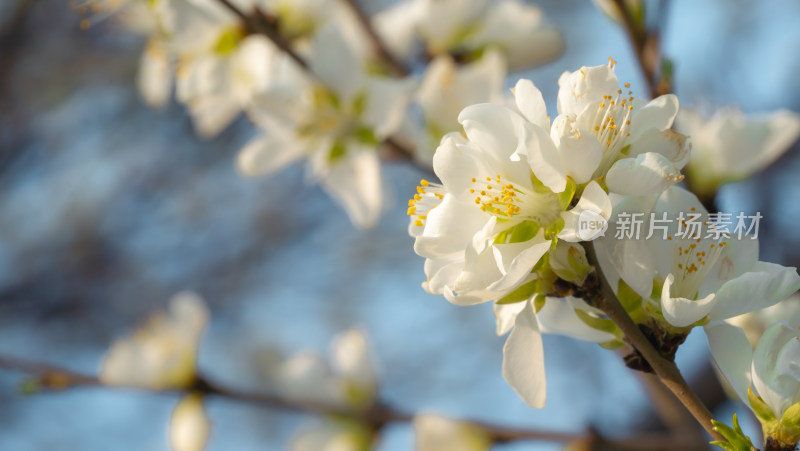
pixel 613 135
pixel 339 435
pixel 162 354
pixel 438 433
pixel 220 67
pixel 692 278
pixel 764 374
pixel 448 88
pixel 730 146
pixel 348 379
pixel 338 127
pixel 467 28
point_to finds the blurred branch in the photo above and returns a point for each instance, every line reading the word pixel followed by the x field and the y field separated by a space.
pixel 55 378
pixel 260 23
pixel 378 45
pixel 646 46
pixel 666 370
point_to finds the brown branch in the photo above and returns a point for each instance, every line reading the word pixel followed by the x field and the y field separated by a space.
pixel 646 48
pixel 55 378
pixel 378 45
pixel 666 370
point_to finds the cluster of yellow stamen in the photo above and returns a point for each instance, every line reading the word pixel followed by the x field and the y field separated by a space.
pixel 613 119
pixel 426 199
pixel 496 197
pixel 692 261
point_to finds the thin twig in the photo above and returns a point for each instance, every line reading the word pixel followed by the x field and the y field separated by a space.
pixel 51 377
pixel 666 370
pixel 645 47
pixel 378 45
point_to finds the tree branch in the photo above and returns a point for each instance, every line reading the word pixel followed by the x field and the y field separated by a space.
pixel 55 378
pixel 646 48
pixel 378 45
pixel 666 370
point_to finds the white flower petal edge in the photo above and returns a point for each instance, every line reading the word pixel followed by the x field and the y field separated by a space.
pixel 189 427
pixel 523 359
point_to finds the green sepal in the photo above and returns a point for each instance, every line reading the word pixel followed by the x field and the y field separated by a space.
pixel 612 344
pixel 631 301
pixel 760 408
pixel 337 152
pixel 519 233
pixel 538 302
pixel 228 40
pixel 601 324
pixel 360 103
pixel 366 136
pixel 565 197
pixel 522 293
pixel 736 440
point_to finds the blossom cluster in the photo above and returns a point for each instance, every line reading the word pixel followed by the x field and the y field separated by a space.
pixel 507 225
pixel 308 75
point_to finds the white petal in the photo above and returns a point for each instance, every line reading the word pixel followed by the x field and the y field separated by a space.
pixel 506 315
pixel 155 75
pixel 671 144
pixel 774 368
pixel 267 154
pixel 558 316
pixel 659 113
pixel 516 260
pixel 733 354
pixel 765 286
pixel 492 127
pixel 523 359
pixel 531 104
pixel 189 427
pixel 585 86
pixel 356 184
pixel 386 105
pixel 682 312
pixel 351 358
pixel 544 159
pixel 648 173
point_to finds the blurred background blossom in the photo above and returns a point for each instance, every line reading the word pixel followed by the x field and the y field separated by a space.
pixel 108 208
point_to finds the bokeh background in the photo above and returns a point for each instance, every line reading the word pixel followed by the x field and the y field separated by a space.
pixel 108 208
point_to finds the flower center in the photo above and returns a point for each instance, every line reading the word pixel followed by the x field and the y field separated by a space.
pixel 691 262
pixel 499 197
pixel 612 124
